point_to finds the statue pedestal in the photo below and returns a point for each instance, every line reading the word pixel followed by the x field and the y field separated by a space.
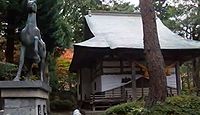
pixel 24 97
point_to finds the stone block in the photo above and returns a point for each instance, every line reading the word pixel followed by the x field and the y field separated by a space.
pixel 24 97
pixel 25 106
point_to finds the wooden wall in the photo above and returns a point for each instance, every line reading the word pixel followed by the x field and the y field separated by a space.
pixel 141 92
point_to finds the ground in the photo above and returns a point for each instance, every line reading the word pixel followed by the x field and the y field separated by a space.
pixel 61 113
pixel 87 113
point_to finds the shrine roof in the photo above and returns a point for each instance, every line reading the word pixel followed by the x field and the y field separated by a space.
pixel 122 30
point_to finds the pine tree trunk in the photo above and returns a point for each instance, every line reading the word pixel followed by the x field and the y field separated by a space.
pixel 9 49
pixel 153 55
pixel 10 33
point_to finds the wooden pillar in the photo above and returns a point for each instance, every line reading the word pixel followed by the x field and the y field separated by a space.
pixel 142 88
pixel 123 92
pixel 133 75
pixel 1 102
pixel 178 80
pixel 80 85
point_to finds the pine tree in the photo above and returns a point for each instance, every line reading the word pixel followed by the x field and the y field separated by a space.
pixel 153 55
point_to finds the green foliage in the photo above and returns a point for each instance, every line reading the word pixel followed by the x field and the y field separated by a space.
pixel 2 46
pixel 168 14
pixel 62 100
pixel 47 16
pixel 61 21
pixel 3 4
pixel 60 105
pixel 181 17
pixel 7 71
pixel 124 109
pixel 123 7
pixel 11 20
pixel 69 20
pixel 12 13
pixel 184 19
pixel 178 105
pixel 186 73
pixel 117 6
pixel 53 82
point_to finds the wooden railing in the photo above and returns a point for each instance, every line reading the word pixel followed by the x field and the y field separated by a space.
pixel 116 96
pixel 100 101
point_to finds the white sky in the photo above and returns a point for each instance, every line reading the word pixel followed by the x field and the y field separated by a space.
pixel 136 2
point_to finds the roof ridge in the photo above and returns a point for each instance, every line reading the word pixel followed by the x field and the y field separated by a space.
pixel 115 13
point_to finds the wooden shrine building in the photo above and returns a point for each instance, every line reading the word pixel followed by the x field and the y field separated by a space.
pixel 111 58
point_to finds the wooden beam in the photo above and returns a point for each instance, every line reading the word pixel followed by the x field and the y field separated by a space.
pixel 133 68
pixel 178 80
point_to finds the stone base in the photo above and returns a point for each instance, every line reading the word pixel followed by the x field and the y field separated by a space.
pixel 24 97
pixel 25 107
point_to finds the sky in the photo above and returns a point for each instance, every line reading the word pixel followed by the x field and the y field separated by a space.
pixel 136 2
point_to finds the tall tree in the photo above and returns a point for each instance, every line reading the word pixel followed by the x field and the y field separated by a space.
pixel 12 19
pixel 117 5
pixel 193 32
pixel 153 55
pixel 71 17
pixel 184 19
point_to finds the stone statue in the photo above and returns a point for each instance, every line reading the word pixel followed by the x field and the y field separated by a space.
pixel 33 49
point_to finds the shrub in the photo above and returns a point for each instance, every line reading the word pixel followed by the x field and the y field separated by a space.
pixel 60 105
pixel 7 71
pixel 62 100
pixel 178 105
pixel 124 109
